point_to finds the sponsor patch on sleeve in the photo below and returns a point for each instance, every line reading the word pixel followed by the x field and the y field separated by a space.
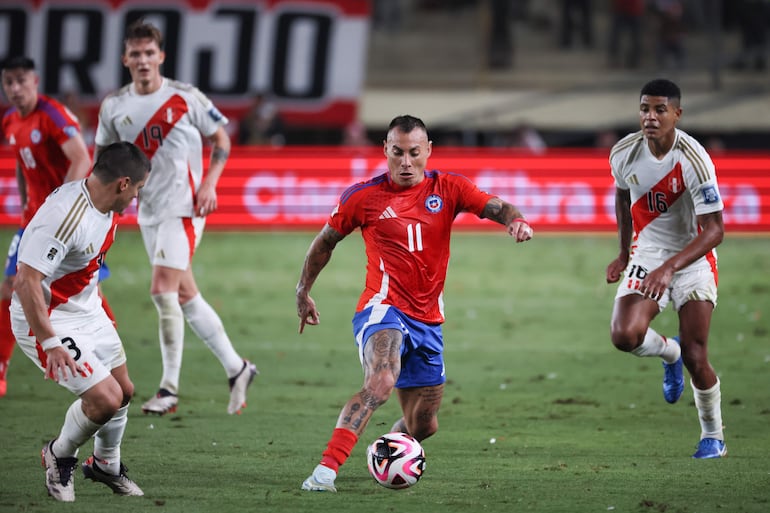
pixel 51 254
pixel 71 131
pixel 215 114
pixel 710 194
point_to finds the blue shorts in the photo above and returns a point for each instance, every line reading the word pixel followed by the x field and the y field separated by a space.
pixel 422 359
pixel 104 272
pixel 13 255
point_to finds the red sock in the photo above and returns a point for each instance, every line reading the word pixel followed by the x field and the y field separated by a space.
pixel 7 340
pixel 338 449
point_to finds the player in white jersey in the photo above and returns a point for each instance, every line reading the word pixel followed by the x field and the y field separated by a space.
pixel 165 119
pixel 669 214
pixel 59 323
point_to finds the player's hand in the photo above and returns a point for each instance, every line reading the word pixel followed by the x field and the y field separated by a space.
pixel 307 312
pixel 615 269
pixel 520 230
pixel 205 200
pixel 58 362
pixel 656 283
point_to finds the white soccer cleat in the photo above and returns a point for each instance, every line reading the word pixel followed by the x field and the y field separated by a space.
pixel 321 480
pixel 120 484
pixel 238 386
pixel 58 474
pixel 161 403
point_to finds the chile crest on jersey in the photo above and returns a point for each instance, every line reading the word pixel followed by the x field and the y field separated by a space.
pixel 434 203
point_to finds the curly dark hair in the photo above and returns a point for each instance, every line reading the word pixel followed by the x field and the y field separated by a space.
pixel 661 87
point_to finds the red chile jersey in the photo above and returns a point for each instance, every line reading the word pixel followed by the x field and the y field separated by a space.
pixel 406 233
pixel 37 140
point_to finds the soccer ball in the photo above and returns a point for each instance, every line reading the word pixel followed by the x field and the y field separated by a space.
pixel 396 460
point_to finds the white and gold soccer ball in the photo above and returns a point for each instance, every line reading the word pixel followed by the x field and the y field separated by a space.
pixel 396 460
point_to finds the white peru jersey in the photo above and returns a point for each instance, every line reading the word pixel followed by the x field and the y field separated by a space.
pixel 66 240
pixel 167 125
pixel 666 194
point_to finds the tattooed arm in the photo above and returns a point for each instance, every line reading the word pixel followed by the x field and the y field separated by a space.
pixel 318 255
pixel 509 216
pixel 206 199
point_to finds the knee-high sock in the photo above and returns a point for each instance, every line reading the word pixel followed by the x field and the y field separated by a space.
pixel 76 431
pixel 205 323
pixel 339 448
pixel 7 340
pixel 709 404
pixel 107 442
pixel 171 333
pixel 657 345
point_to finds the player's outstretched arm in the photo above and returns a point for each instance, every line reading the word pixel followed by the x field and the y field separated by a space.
pixel 318 255
pixel 509 216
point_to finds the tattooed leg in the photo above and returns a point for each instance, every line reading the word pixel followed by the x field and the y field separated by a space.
pixel 420 406
pixel 382 365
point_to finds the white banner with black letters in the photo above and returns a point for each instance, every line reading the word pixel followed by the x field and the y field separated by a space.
pixel 308 55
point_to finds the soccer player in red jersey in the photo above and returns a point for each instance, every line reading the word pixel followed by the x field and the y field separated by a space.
pixel 405 217
pixel 49 150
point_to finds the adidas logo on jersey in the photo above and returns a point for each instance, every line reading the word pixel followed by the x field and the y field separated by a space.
pixel 12 140
pixel 388 213
pixel 126 121
pixel 90 249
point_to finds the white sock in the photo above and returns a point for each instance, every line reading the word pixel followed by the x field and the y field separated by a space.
pixel 205 323
pixel 171 333
pixel 107 442
pixel 709 404
pixel 324 474
pixel 657 345
pixel 75 431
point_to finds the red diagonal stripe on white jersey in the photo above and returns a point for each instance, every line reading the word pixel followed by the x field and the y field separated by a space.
pixel 160 124
pixel 73 283
pixel 669 188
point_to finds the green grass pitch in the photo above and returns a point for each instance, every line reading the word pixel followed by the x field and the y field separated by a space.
pixel 540 414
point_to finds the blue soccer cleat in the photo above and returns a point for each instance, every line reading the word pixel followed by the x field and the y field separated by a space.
pixel 710 448
pixel 673 378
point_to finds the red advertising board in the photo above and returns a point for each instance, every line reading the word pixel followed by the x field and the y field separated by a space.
pixel 297 187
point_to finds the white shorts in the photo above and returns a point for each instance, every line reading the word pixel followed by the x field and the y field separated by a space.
pixel 95 345
pixel 172 243
pixel 691 284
